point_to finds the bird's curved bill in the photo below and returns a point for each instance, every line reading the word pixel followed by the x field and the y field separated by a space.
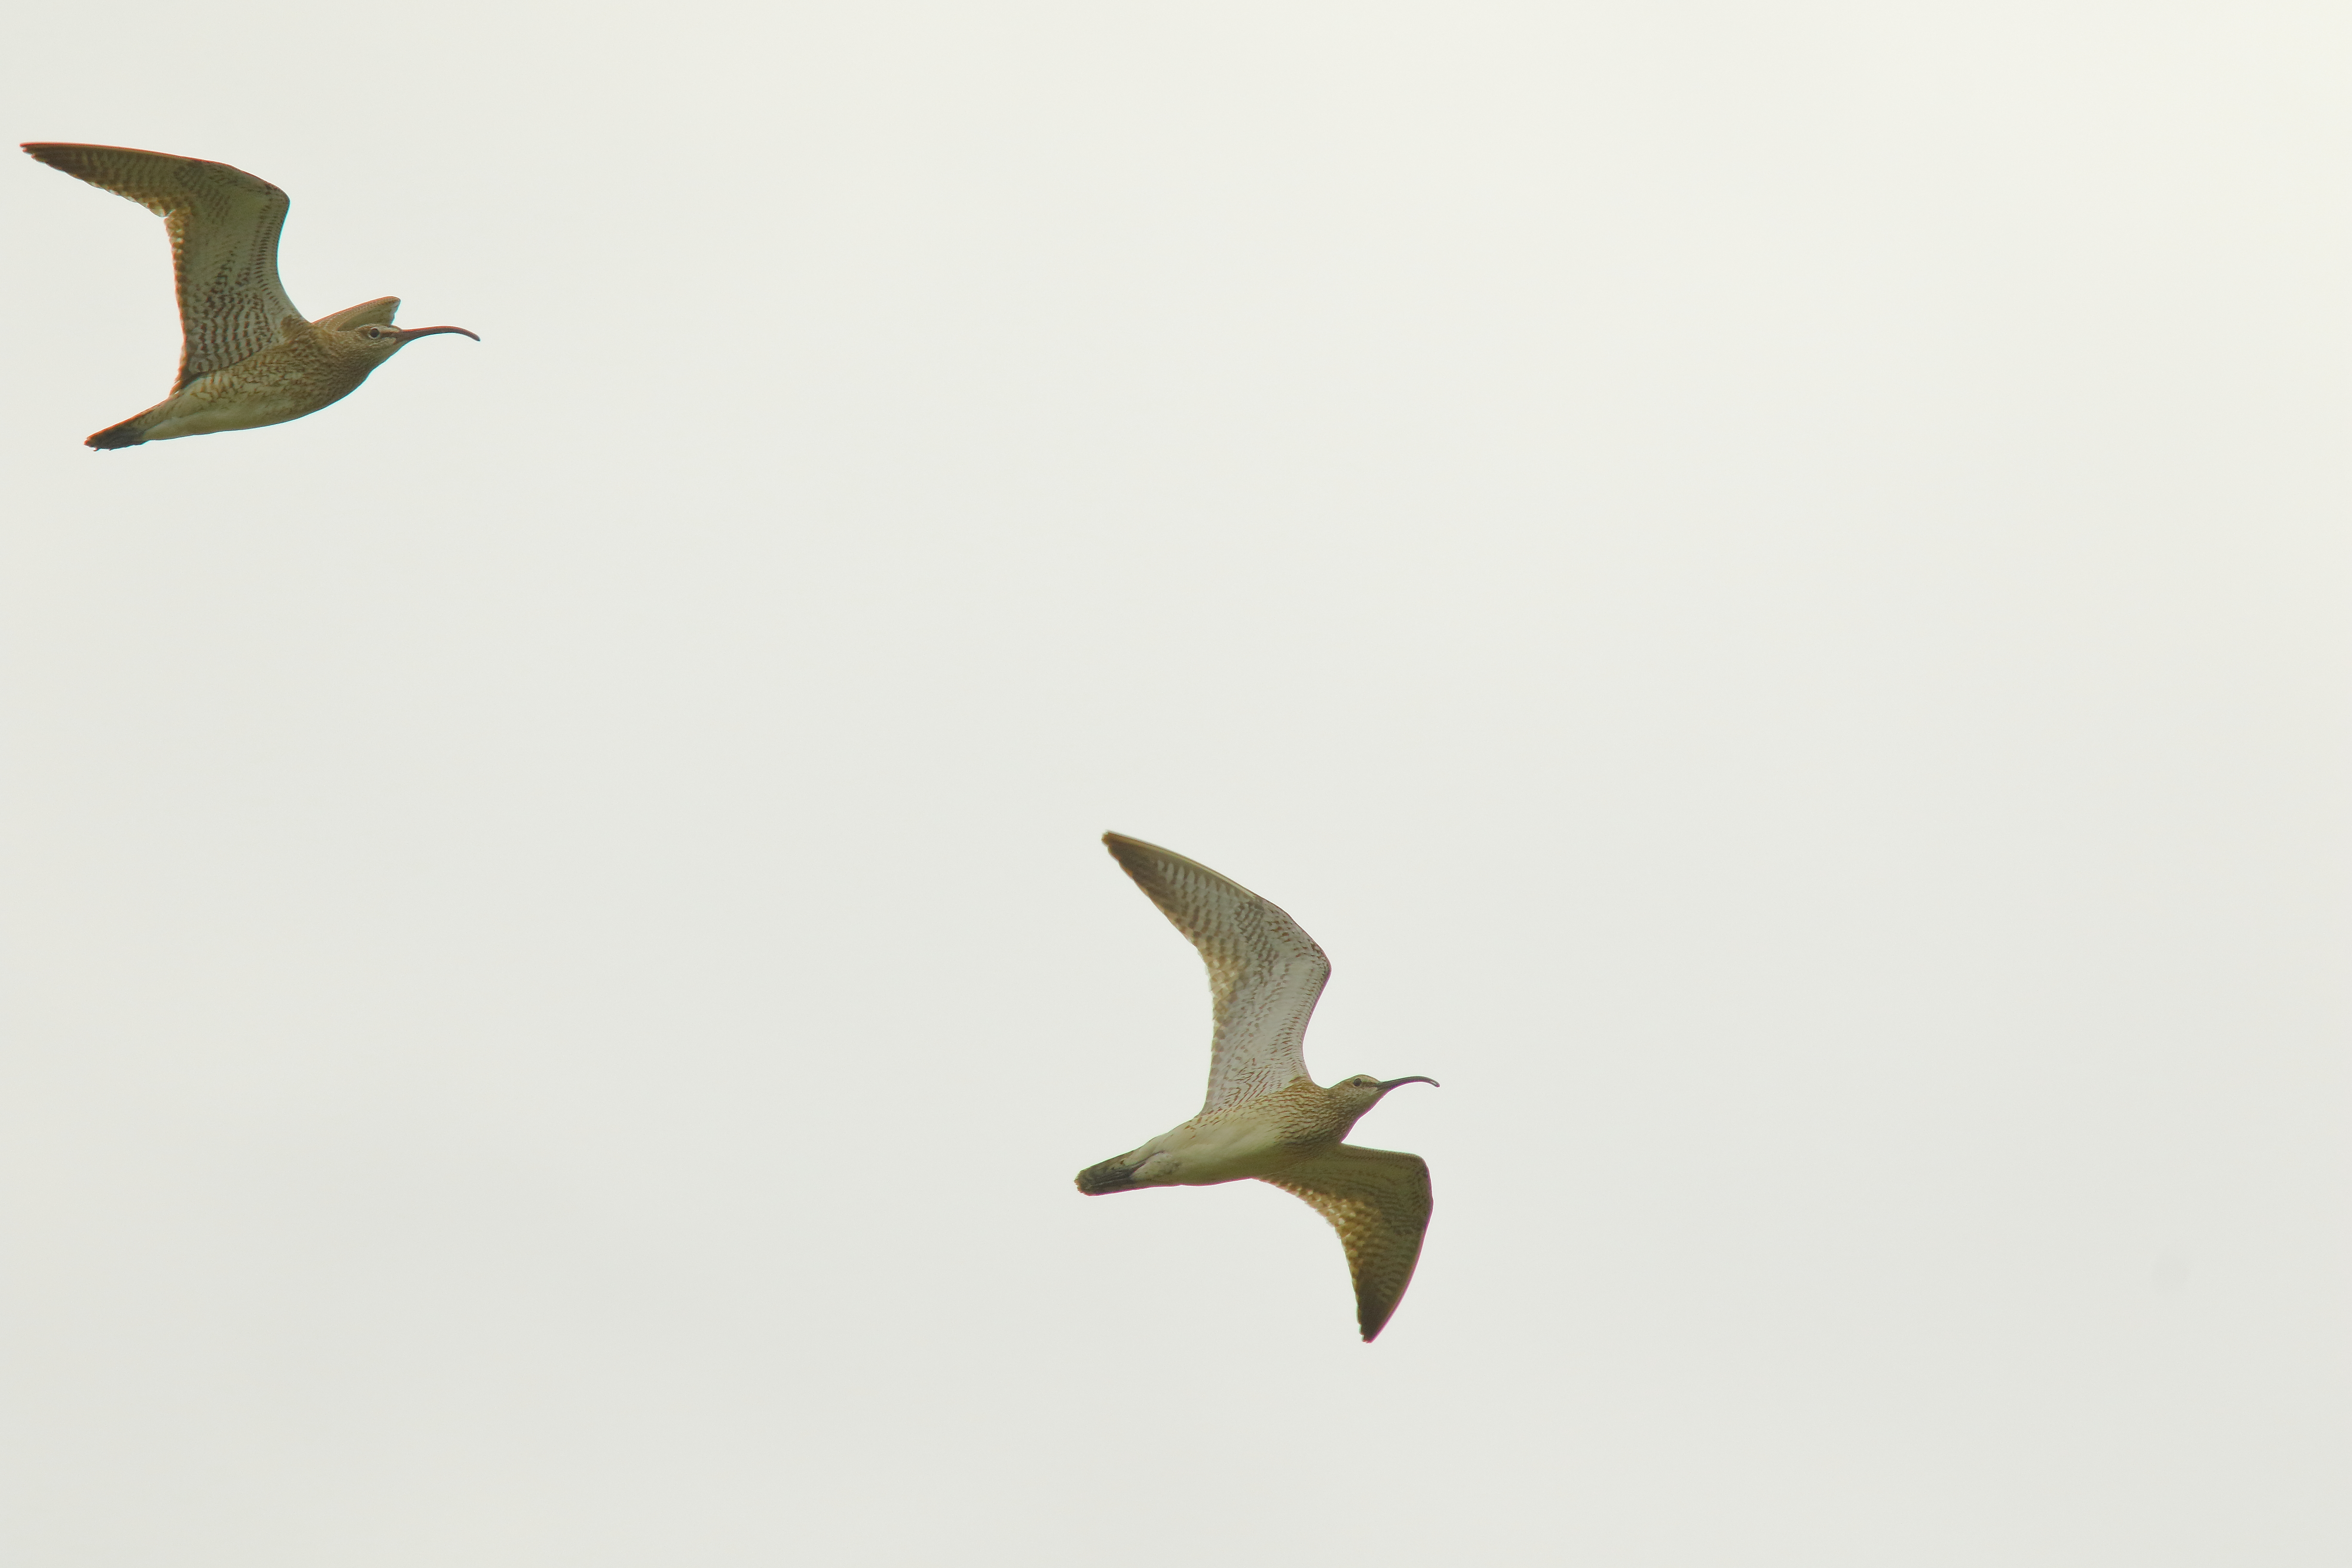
pixel 408 332
pixel 1392 1083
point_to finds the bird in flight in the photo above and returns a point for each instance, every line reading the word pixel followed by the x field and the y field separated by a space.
pixel 1265 1117
pixel 248 358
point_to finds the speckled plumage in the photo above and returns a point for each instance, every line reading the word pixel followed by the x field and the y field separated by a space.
pixel 1264 1118
pixel 248 358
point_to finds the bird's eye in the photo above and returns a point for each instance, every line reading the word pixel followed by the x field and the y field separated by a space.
pixel 375 331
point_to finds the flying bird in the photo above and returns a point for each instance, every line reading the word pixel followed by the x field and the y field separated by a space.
pixel 1264 1118
pixel 248 358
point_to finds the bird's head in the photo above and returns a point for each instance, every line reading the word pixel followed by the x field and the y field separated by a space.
pixel 367 327
pixel 383 340
pixel 1361 1093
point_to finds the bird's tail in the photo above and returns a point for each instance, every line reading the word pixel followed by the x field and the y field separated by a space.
pixel 131 432
pixel 1110 1177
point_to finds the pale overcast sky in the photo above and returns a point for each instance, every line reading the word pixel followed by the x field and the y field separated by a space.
pixel 1768 578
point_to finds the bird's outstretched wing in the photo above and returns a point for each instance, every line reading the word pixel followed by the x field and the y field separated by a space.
pixel 1379 1201
pixel 1265 974
pixel 224 226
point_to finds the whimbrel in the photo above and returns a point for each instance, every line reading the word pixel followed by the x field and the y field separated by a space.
pixel 1265 1117
pixel 248 358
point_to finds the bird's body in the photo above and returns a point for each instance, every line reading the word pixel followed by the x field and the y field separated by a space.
pixel 249 358
pixel 1265 1117
pixel 1258 1137
pixel 306 369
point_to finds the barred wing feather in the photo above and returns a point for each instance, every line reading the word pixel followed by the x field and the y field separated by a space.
pixel 1265 974
pixel 1379 1201
pixel 224 226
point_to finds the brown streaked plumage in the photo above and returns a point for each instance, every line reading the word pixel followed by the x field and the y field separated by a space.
pixel 1264 1118
pixel 247 356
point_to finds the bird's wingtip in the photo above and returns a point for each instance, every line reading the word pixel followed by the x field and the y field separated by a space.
pixel 58 154
pixel 1115 842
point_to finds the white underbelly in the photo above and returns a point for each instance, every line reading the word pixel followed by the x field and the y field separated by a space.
pixel 1221 1152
